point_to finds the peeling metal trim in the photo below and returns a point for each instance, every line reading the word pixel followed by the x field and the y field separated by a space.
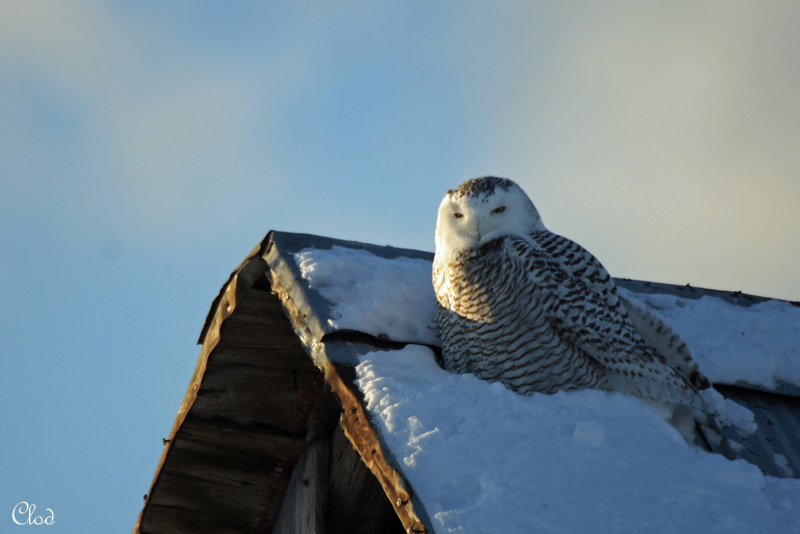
pixel 359 431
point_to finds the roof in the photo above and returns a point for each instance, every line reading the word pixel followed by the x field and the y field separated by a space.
pixel 264 374
pixel 276 356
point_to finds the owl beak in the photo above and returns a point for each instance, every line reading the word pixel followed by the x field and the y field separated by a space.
pixel 475 231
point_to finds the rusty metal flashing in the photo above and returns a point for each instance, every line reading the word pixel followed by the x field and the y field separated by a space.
pixel 358 428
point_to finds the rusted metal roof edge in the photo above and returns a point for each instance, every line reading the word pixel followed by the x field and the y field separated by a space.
pixel 258 251
pixel 359 430
pixel 222 308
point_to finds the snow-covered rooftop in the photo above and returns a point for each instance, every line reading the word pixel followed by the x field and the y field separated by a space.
pixel 757 345
pixel 483 459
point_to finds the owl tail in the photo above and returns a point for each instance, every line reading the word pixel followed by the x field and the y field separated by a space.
pixel 709 435
pixel 725 427
pixel 711 430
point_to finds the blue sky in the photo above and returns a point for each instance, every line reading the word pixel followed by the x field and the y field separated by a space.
pixel 146 147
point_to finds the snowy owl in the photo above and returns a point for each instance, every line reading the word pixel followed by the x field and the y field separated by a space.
pixel 534 310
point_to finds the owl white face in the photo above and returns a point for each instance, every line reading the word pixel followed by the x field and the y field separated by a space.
pixel 483 209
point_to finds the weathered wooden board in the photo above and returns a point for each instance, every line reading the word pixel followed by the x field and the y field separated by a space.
pixel 243 423
pixel 357 503
pixel 306 501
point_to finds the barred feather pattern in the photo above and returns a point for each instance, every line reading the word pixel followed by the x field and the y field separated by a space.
pixel 539 313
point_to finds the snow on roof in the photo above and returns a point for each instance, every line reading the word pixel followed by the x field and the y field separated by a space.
pixel 483 459
pixel 758 345
pixel 387 298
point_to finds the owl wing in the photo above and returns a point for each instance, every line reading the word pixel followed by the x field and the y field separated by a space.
pixel 584 308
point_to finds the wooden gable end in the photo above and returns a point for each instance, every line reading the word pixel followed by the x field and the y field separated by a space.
pixel 257 445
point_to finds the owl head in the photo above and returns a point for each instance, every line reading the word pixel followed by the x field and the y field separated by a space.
pixel 483 209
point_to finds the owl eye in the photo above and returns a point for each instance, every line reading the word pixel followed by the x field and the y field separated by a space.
pixel 458 215
pixel 501 209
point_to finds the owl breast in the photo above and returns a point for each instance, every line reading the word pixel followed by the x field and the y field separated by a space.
pixel 494 324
